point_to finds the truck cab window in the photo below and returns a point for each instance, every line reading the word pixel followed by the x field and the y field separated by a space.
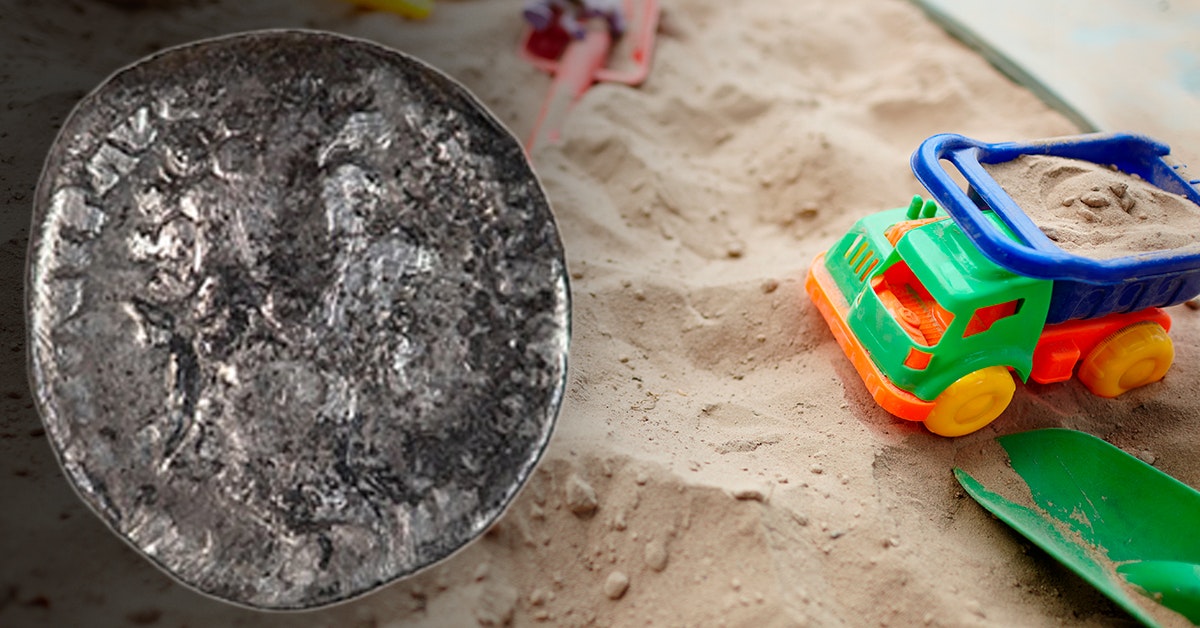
pixel 985 317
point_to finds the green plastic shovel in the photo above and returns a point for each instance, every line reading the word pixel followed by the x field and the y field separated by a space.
pixel 1109 517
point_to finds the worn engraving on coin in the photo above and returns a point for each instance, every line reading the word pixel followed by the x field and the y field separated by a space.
pixel 298 314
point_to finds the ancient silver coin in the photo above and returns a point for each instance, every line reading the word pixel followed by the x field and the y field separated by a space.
pixel 298 314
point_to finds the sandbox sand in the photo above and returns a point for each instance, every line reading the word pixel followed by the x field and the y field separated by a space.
pixel 1096 211
pixel 717 461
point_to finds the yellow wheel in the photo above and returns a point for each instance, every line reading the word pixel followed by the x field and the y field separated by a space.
pixel 1135 356
pixel 972 402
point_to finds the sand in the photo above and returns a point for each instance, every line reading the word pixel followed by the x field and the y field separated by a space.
pixel 717 461
pixel 1096 211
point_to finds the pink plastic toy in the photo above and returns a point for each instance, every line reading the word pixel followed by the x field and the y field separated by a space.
pixel 563 40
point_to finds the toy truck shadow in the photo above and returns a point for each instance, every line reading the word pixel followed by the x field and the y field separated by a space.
pixel 938 306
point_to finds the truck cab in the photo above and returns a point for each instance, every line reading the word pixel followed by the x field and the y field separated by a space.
pixel 927 308
pixel 934 309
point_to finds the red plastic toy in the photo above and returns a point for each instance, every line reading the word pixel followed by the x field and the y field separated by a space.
pixel 578 63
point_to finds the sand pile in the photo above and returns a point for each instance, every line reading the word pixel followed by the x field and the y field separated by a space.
pixel 1096 211
pixel 717 461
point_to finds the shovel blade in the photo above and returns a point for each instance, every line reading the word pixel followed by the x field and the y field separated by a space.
pixel 1175 584
pixel 1096 506
pixel 1113 500
pixel 1042 532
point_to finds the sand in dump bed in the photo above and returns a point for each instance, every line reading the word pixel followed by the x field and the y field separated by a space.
pixel 717 461
pixel 1097 211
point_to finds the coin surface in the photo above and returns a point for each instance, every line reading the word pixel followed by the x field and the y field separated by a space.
pixel 298 314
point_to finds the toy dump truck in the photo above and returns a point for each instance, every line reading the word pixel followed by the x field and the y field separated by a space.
pixel 939 303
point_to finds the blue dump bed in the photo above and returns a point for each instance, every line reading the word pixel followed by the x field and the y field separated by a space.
pixel 1084 287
